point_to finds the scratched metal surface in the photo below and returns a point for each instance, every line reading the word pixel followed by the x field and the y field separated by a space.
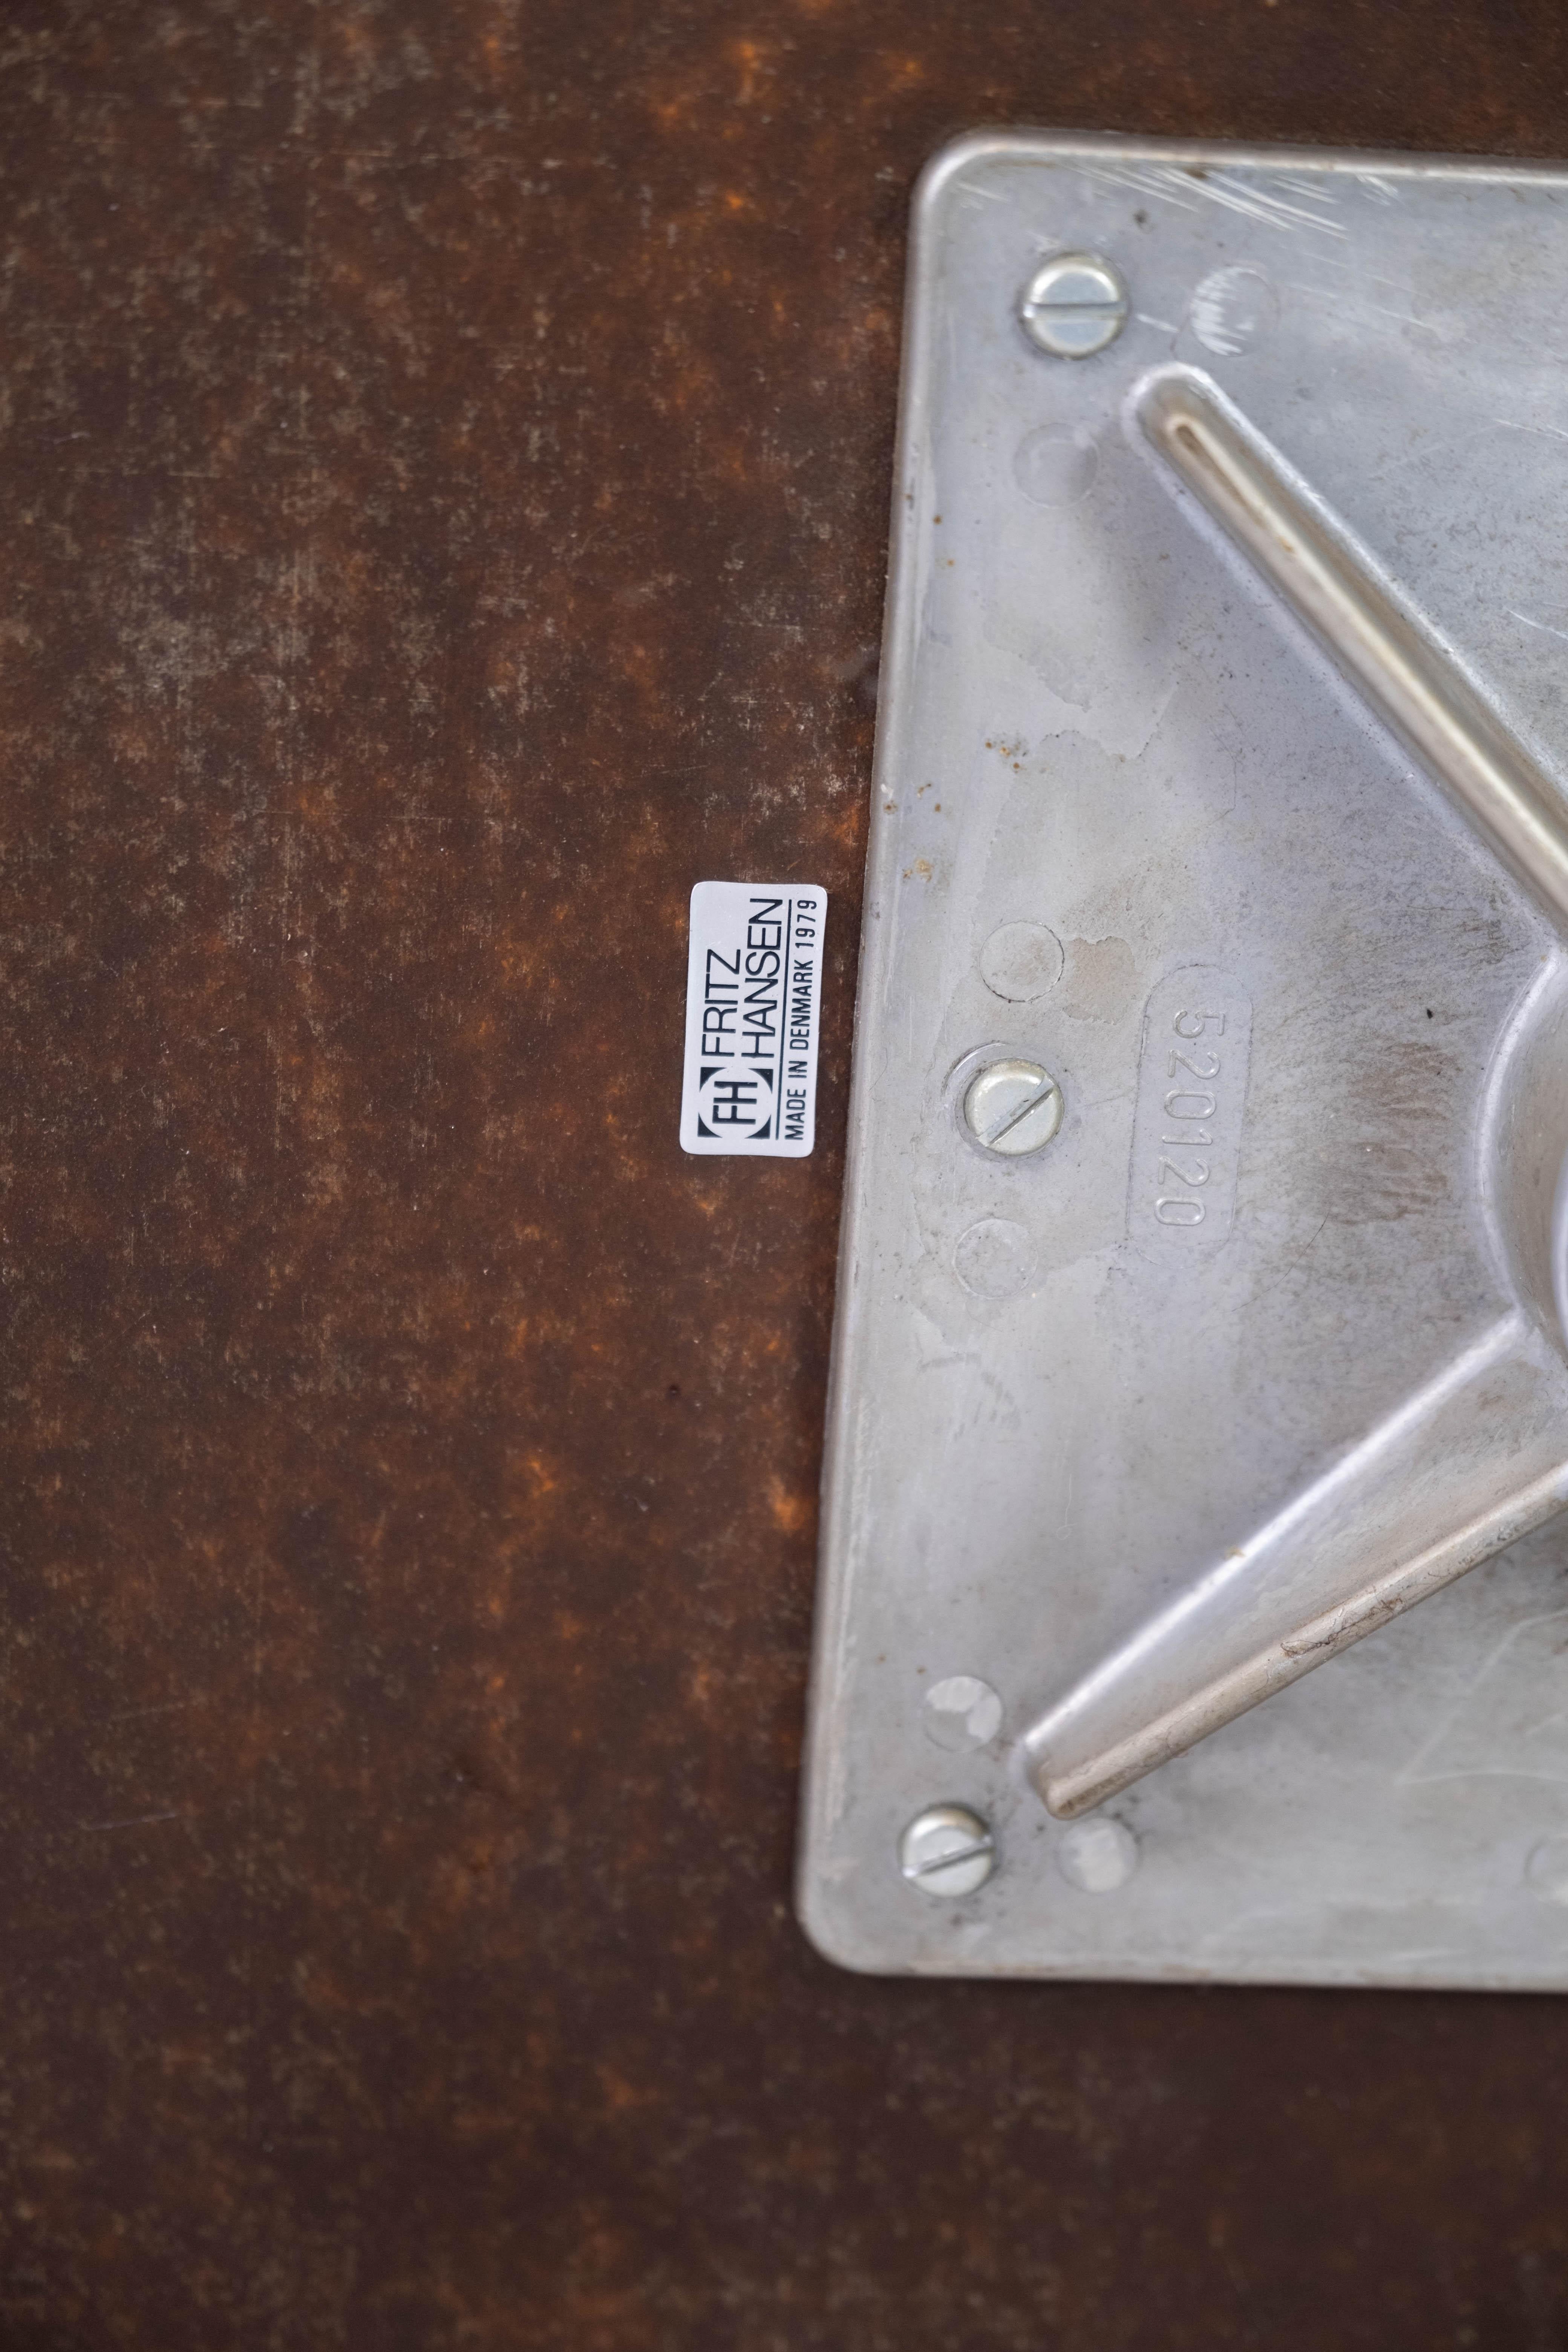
pixel 1055 1414
pixel 445 501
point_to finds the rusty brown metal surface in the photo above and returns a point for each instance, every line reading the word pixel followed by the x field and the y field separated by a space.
pixel 443 471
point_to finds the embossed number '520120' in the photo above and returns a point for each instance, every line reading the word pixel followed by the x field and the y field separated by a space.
pixel 1192 1087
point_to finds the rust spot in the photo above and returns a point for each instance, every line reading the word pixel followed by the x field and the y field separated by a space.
pixel 791 1512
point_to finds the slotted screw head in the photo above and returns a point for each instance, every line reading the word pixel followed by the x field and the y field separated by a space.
pixel 947 1851
pixel 1013 1106
pixel 1074 305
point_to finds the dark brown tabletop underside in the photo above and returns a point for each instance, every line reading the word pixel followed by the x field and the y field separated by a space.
pixel 444 476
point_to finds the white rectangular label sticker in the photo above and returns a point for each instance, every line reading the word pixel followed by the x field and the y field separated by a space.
pixel 754 994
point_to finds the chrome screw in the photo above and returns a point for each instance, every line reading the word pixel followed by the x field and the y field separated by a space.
pixel 947 1851
pixel 1013 1106
pixel 1074 305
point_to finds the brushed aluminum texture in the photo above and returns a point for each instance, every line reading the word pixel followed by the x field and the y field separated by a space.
pixel 1220 775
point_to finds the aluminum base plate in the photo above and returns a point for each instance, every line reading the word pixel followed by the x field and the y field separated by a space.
pixel 1134 833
